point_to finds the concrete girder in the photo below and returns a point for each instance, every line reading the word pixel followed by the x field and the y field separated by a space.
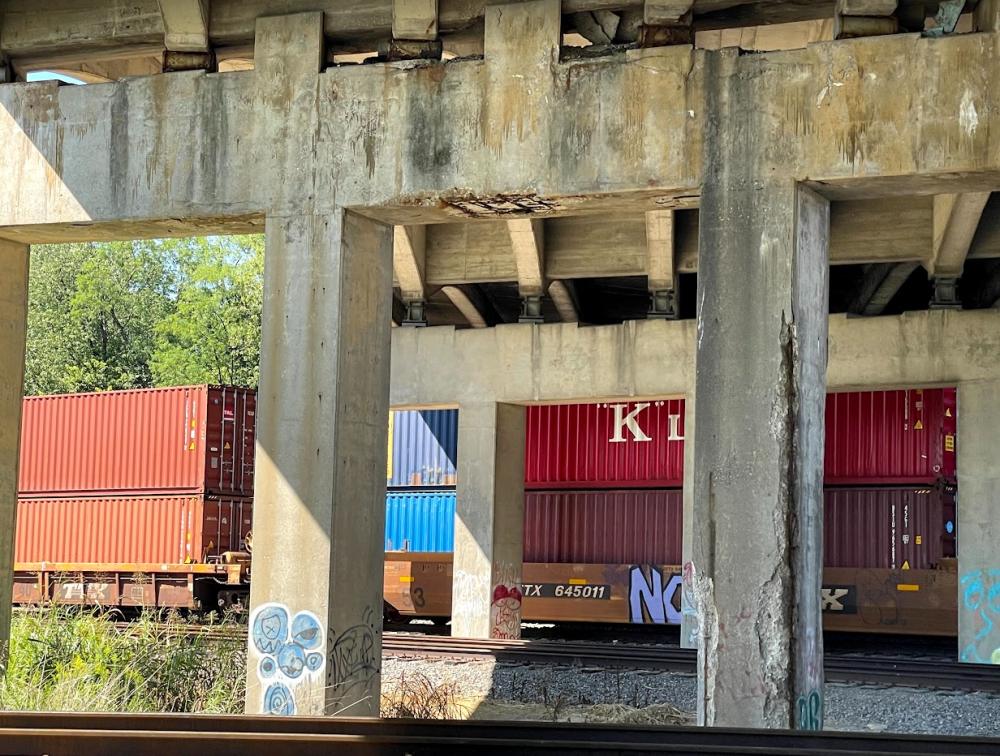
pixel 563 296
pixel 527 238
pixel 879 285
pixel 415 19
pixel 956 218
pixel 185 25
pixel 468 302
pixel 408 255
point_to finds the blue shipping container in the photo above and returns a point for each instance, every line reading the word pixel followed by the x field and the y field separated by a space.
pixel 420 521
pixel 423 448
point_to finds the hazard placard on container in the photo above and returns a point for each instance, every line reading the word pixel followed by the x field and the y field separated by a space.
pixel 226 446
pixel 947 412
pixel 918 426
pixel 906 565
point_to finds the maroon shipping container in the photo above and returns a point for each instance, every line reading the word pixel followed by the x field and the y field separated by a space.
pixel 194 439
pixel 606 444
pixel 890 437
pixel 603 527
pixel 130 529
pixel 888 528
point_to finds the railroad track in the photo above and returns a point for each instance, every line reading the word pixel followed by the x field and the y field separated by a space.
pixel 30 734
pixel 873 670
pixel 847 669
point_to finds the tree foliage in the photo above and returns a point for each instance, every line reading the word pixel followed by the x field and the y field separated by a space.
pixel 146 313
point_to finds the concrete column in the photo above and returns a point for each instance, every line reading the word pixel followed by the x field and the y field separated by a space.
pixel 978 523
pixel 761 384
pixel 489 522
pixel 689 614
pixel 13 328
pixel 319 509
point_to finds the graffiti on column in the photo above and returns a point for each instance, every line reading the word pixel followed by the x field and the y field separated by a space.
pixel 980 591
pixel 470 594
pixel 354 658
pixel 505 610
pixel 651 595
pixel 689 611
pixel 290 654
pixel 810 712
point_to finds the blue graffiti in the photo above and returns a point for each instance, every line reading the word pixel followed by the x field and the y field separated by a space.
pixel 270 629
pixel 291 660
pixel 306 631
pixel 986 603
pixel 289 651
pixel 279 700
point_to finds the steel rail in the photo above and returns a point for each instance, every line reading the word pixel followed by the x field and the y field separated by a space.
pixel 28 734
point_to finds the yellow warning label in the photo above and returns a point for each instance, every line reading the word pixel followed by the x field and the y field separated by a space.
pixel 947 412
pixel 907 587
pixel 577 581
pixel 949 443
pixel 918 426
pixel 191 447
pixel 192 424
pixel 920 540
pixel 906 565
pixel 406 578
pixel 226 446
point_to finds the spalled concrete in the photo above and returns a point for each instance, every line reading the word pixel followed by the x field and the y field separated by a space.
pixel 978 523
pixel 489 522
pixel 13 328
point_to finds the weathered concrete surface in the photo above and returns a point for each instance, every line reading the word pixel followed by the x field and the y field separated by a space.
pixel 978 523
pixel 655 359
pixel 13 328
pixel 489 522
pixel 319 519
pixel 761 388
pixel 689 615
pixel 218 145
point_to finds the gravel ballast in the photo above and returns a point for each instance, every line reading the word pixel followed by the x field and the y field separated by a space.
pixel 848 707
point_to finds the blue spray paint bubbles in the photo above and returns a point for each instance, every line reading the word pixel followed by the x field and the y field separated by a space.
pixel 981 596
pixel 289 651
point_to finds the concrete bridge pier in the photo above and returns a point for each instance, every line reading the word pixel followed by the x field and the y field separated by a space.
pixel 489 521
pixel 13 328
pixel 978 523
pixel 316 593
pixel 761 385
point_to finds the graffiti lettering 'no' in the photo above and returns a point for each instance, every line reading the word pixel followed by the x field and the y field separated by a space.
pixel 651 595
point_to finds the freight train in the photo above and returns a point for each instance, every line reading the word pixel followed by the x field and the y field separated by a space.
pixel 603 510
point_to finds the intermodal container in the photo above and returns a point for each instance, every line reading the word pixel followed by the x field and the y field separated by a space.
pixel 420 521
pixel 192 439
pixel 603 527
pixel 605 445
pixel 890 437
pixel 888 528
pixel 172 529
pixel 423 448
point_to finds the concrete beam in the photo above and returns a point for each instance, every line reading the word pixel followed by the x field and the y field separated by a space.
pixel 185 25
pixel 408 255
pixel 13 330
pixel 956 218
pixel 563 296
pixel 665 12
pixel 987 16
pixel 660 248
pixel 415 19
pixel 468 303
pixel 527 238
pixel 880 284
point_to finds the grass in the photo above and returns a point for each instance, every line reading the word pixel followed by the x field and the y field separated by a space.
pixel 66 660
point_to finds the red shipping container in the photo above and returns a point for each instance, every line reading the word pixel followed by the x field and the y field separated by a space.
pixel 890 437
pixel 888 528
pixel 194 439
pixel 614 444
pixel 603 527
pixel 130 529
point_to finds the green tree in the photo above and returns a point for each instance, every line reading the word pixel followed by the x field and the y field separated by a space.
pixel 213 334
pixel 93 309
